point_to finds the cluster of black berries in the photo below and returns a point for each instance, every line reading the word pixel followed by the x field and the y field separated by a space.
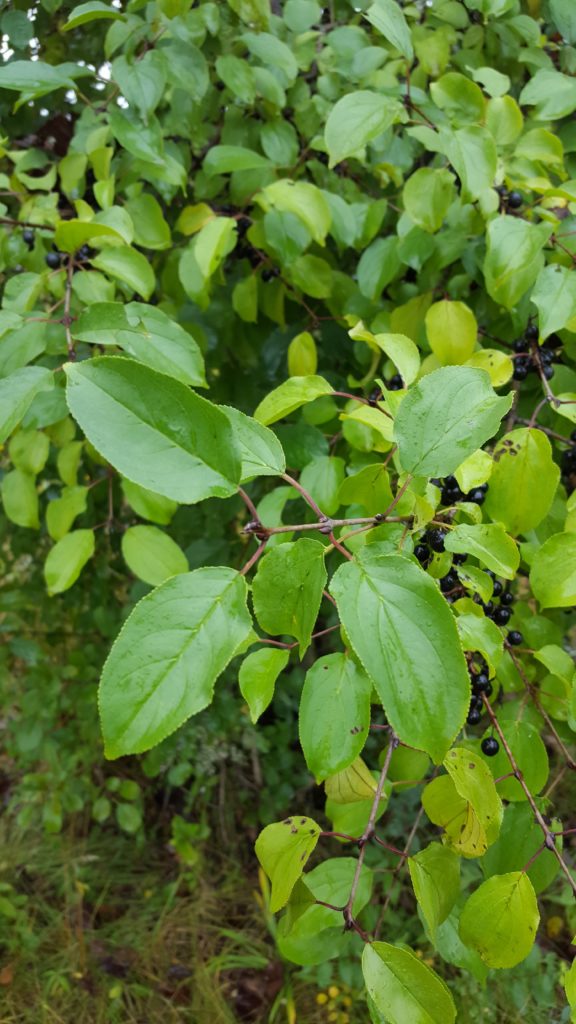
pixel 568 464
pixel 54 259
pixel 432 540
pixel 451 492
pixel 526 362
pixel 481 686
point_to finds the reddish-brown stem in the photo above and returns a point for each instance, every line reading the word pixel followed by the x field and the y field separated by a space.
pixel 249 503
pixel 367 834
pixel 67 319
pixel 534 695
pixel 549 840
pixel 252 561
pixel 307 497
pixel 533 858
pixel 336 543
pixel 291 646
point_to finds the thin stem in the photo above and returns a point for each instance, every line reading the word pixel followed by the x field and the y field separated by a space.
pixel 249 503
pixel 397 871
pixel 25 223
pixel 67 319
pixel 549 840
pixel 307 497
pixel 290 647
pixel 336 543
pixel 399 494
pixel 532 691
pixel 533 858
pixel 545 430
pixel 339 835
pixel 368 833
pixel 252 561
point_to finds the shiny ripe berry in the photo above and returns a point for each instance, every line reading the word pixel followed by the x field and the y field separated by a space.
pixel 507 598
pixel 395 383
pixel 52 260
pixel 573 435
pixel 521 369
pixel 474 716
pixel 515 200
pixel 436 538
pixel 490 746
pixel 422 553
pixel 477 496
pixel 488 690
pixel 267 275
pixel 520 345
pixel 459 559
pixel 448 582
pixel 501 616
pixel 548 372
pixel 481 682
pixel 28 237
pixel 497 589
pixel 515 638
pixel 532 333
pixel 488 607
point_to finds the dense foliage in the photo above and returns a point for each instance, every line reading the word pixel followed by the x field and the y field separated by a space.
pixel 288 384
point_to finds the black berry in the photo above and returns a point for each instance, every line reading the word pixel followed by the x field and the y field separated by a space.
pixel 421 552
pixel 436 538
pixel 459 559
pixel 481 682
pixel 515 200
pixel 507 598
pixel 548 372
pixel 515 638
pixel 497 589
pixel 531 333
pixel 488 608
pixel 520 345
pixel 448 582
pixel 573 435
pixel 28 237
pixel 52 260
pixel 521 369
pixel 267 275
pixel 477 496
pixel 501 616
pixel 395 383
pixel 474 716
pixel 490 746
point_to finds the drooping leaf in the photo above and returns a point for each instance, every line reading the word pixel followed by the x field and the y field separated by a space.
pixel 283 850
pixel 514 258
pixel 332 741
pixel 168 655
pixel 403 988
pixel 287 589
pixel 489 543
pixel 66 560
pixel 553 572
pixel 389 19
pixel 355 120
pixel 153 429
pixel 152 555
pixel 17 393
pixel 92 11
pixel 257 678
pixel 435 875
pixel 289 396
pixel 405 636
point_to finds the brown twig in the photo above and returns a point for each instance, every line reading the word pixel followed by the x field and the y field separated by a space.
pixel 367 835
pixel 67 319
pixel 549 838
pixel 534 695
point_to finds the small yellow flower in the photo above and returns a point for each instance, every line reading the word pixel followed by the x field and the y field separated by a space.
pixel 346 1001
pixel 333 991
pixel 321 998
pixel 333 1017
pixel 554 926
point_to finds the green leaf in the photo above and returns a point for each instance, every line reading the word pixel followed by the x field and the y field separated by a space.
pixel 129 266
pixel 302 199
pixel 213 243
pixel 370 487
pixel 530 755
pixel 403 988
pixel 271 50
pixel 91 12
pixel 555 296
pixel 405 636
pixel 226 159
pixel 20 499
pixel 389 19
pixel 66 560
pixel 287 589
pixel 500 919
pixel 523 480
pixel 283 850
pixel 452 331
pixel 354 784
pixel 147 334
pixel 257 678
pixel 302 355
pixel 312 275
pixel 152 555
pixel 519 840
pixel 322 478
pixel 289 396
pixel 260 450
pixel 168 655
pixel 333 741
pixel 71 234
pixel 427 196
pixel 35 78
pixel 473 782
pixel 473 155
pixel 151 231
pixel 402 352
pixel 553 572
pixel 17 392
pixel 153 429
pixel 551 93
pixel 245 299
pixel 564 17
pixel 355 120
pixel 129 818
pixel 435 875
pixel 514 258
pixel 446 417
pixel 61 513
pixel 490 544
pixel 142 82
pixel 149 505
pixel 331 881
